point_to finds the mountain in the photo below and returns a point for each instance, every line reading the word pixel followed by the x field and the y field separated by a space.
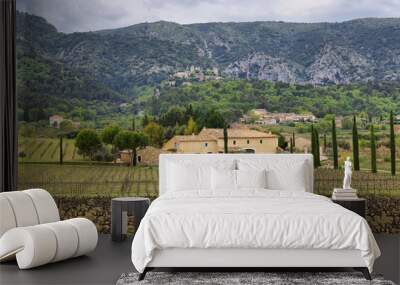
pixel 316 53
pixel 46 84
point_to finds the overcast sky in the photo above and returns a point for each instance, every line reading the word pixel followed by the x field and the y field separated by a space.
pixel 89 15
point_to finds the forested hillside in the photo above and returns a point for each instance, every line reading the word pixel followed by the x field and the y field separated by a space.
pixel 336 68
pixel 233 98
pixel 318 53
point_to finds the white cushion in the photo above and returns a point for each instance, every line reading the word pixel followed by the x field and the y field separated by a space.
pixel 183 177
pixel 223 179
pixel 175 172
pixel 32 246
pixel 45 205
pixel 23 208
pixel 278 180
pixel 7 218
pixel 251 178
pixel 289 174
pixel 87 233
pixel 67 240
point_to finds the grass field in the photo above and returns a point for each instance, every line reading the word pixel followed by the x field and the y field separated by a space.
pixel 90 180
pixel 108 180
pixel 47 150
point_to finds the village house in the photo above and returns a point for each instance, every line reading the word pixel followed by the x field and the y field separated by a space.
pixel 212 141
pixel 55 121
pixel 263 117
pixel 339 121
pixel 396 119
pixel 266 122
pixel 145 156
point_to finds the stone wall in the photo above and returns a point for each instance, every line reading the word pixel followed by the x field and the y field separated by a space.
pixel 96 209
pixel 383 213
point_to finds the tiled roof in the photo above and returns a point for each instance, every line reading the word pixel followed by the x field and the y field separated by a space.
pixel 215 134
pixel 235 133
pixel 199 137
pixel 56 117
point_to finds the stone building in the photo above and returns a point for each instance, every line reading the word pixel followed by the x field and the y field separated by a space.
pixel 212 141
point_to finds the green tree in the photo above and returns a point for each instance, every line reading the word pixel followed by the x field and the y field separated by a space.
pixel 155 134
pixel 225 139
pixel 356 153
pixel 392 146
pixel 291 145
pixel 313 147
pixel 214 119
pixel 191 127
pixel 324 124
pixel 146 120
pixel 334 145
pixel 67 127
pixel 108 135
pixel 282 143
pixel 61 150
pixel 373 149
pixel 88 143
pixel 317 148
pixel 133 124
pixel 347 123
pixel 174 115
pixel 189 111
pixel 294 139
pixel 131 141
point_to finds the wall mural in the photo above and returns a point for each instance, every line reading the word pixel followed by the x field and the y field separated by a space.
pixel 99 98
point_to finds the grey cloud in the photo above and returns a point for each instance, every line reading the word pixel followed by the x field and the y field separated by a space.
pixel 86 15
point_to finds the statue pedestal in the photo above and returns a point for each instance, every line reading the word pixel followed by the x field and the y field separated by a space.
pixel 344 194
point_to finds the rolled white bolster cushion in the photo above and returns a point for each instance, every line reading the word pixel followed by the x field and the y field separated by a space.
pixel 67 240
pixel 87 235
pixel 37 245
pixel 33 246
pixel 7 218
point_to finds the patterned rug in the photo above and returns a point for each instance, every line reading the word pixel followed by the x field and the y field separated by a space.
pixel 269 278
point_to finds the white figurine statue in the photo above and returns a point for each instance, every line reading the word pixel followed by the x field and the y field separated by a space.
pixel 347 173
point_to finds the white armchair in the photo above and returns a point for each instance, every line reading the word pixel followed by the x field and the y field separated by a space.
pixel 31 230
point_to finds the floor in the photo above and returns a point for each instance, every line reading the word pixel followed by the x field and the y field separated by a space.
pixel 110 260
pixel 104 266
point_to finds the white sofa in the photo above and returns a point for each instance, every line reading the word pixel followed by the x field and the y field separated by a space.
pixel 31 230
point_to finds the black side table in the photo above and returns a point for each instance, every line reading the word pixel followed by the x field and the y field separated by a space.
pixel 358 205
pixel 120 209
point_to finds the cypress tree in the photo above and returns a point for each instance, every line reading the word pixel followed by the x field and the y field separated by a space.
pixel 294 140
pixel 291 145
pixel 225 139
pixel 392 146
pixel 313 146
pixel 356 157
pixel 317 153
pixel 334 145
pixel 133 124
pixel 324 143
pixel 373 150
pixel 61 149
pixel 145 121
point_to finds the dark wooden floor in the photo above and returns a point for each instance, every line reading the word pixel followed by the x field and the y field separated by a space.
pixel 110 260
pixel 103 266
